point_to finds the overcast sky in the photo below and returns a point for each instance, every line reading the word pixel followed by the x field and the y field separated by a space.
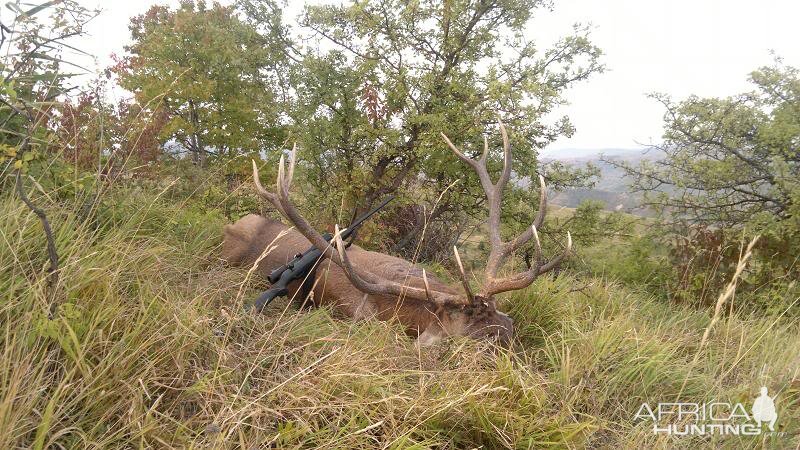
pixel 678 47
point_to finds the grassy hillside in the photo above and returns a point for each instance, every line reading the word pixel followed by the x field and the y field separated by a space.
pixel 151 348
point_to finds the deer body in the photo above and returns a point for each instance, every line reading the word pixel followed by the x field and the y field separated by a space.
pixel 247 239
pixel 363 284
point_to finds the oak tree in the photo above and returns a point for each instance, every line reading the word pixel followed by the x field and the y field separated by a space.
pixel 381 79
pixel 207 70
pixel 730 167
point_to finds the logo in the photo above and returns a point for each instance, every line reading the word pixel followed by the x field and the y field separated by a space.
pixel 764 410
pixel 721 418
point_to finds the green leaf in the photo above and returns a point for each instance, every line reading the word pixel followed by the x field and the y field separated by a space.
pixel 43 428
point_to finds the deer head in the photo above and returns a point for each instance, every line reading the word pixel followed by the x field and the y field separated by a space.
pixel 471 313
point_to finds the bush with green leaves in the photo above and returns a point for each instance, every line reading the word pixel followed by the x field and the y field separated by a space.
pixel 731 168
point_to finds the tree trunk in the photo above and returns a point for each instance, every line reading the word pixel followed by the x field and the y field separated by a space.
pixel 199 151
pixel 52 253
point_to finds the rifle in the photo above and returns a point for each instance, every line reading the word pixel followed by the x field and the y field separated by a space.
pixel 301 266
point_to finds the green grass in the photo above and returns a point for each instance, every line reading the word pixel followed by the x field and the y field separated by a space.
pixel 151 348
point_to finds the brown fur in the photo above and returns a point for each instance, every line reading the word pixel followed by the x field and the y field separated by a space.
pixel 246 240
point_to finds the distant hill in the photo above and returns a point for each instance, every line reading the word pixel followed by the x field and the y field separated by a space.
pixel 563 154
pixel 612 187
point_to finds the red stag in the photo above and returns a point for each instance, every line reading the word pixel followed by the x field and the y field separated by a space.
pixel 364 284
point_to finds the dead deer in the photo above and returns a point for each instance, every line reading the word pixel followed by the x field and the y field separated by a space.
pixel 364 284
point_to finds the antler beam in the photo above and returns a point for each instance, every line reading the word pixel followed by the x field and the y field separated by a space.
pixel 500 250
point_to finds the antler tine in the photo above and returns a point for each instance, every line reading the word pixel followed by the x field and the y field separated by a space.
pixel 542 203
pixel 463 274
pixel 537 244
pixel 538 258
pixel 337 239
pixel 479 167
pixel 279 182
pixel 263 193
pixel 524 279
pixel 506 174
pixel 284 181
pixel 523 238
pixel 427 286
pixel 557 260
pixel 292 159
pixel 257 181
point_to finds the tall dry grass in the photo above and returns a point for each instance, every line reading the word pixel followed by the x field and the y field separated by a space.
pixel 150 349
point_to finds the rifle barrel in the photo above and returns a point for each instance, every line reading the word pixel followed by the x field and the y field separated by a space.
pixel 363 218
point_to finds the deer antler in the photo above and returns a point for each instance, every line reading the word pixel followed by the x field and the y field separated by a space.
pixel 500 250
pixel 463 275
pixel 364 281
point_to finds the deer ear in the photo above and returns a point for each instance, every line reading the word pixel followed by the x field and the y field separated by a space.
pixel 433 334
